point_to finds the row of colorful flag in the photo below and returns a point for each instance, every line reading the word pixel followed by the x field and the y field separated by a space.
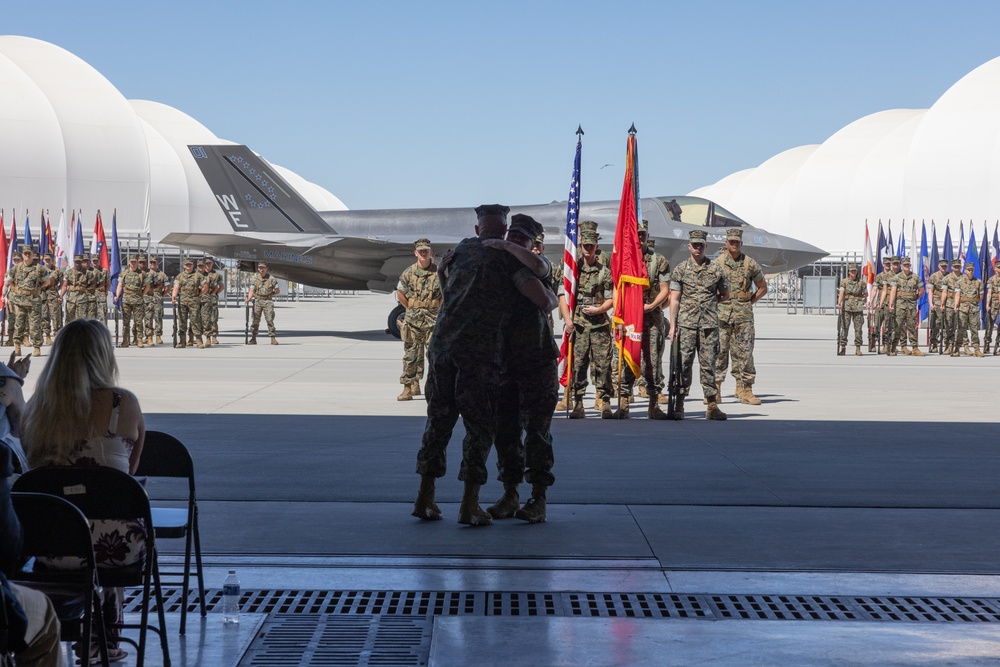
pixel 59 244
pixel 925 256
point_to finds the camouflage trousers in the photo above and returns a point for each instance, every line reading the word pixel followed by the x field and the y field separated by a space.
pixel 653 342
pixel 526 403
pixel 991 318
pixel 936 325
pixel 52 314
pixel 97 308
pixel 265 306
pixel 846 320
pixel 28 321
pixel 188 316
pixel 154 315
pixel 75 306
pixel 736 340
pixel 459 387
pixel 133 316
pixel 948 322
pixel 905 331
pixel 416 340
pixel 592 349
pixel 706 343
pixel 968 325
pixel 209 313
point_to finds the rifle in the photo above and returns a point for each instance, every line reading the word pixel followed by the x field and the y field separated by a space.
pixel 246 326
pixel 116 324
pixel 674 379
pixel 931 321
pixel 174 303
pixel 890 327
pixel 840 326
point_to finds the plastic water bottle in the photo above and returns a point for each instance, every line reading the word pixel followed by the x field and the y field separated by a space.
pixel 231 599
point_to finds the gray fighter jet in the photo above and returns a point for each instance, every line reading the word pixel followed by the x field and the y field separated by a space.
pixel 368 250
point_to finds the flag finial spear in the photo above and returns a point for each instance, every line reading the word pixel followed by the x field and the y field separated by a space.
pixel 579 130
pixel 632 129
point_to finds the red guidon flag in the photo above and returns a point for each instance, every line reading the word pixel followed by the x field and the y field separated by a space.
pixel 627 268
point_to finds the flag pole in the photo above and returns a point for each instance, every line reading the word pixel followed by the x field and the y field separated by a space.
pixel 569 345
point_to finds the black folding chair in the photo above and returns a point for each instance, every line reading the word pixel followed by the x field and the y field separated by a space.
pixel 163 455
pixel 107 494
pixel 54 527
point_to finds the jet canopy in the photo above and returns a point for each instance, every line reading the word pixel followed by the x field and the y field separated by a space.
pixel 698 211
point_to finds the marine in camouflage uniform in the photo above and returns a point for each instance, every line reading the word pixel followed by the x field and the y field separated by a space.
pixel 697 286
pixel 419 292
pixel 968 294
pixel 187 290
pixel 100 283
pixel 263 291
pixel 52 315
pixel 211 286
pixel 875 306
pixel 906 288
pixel 737 334
pixel 851 299
pixel 656 293
pixel 75 290
pixel 950 323
pixel 992 310
pixel 887 317
pixel 26 284
pixel 132 287
pixel 158 287
pixel 591 326
pixel 464 358
pixel 528 394
pixel 936 298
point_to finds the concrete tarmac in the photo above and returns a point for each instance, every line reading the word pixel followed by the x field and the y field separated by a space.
pixel 857 476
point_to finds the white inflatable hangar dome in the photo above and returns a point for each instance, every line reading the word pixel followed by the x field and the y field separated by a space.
pixel 70 140
pixel 938 164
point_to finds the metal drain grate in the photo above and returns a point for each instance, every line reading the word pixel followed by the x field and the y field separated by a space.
pixel 427 604
pixel 326 640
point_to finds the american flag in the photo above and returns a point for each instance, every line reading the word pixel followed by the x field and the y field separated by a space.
pixel 570 269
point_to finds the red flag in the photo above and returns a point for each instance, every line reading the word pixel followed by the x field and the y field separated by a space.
pixel 99 246
pixel 627 268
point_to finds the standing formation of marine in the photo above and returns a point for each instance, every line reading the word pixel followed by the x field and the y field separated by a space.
pixel 953 298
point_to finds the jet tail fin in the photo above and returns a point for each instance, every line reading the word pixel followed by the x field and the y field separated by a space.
pixel 252 195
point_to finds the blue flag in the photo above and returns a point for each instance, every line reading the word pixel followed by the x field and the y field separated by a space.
pixel 27 230
pixel 78 241
pixel 986 271
pixel 923 306
pixel 881 249
pixel 996 241
pixel 116 260
pixel 889 244
pixel 901 247
pixel 949 251
pixel 972 254
pixel 13 248
pixel 934 249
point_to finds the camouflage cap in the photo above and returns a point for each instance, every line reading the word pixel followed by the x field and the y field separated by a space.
pixel 261 264
pixel 133 258
pixel 48 255
pixel 17 258
pixel 734 233
pixel 540 238
pixel 422 244
pixel 588 232
pixel 644 226
pixel 524 225
pixel 970 266
pixel 142 258
pixel 188 260
pixel 956 263
pixel 28 249
pixel 852 267
pixel 153 259
pixel 96 257
pixel 492 209
pixel 894 259
pixel 697 236
pixel 200 263
pixel 77 258
pixel 942 262
pixel 904 260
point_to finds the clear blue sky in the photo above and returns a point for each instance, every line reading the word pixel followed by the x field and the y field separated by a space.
pixel 414 104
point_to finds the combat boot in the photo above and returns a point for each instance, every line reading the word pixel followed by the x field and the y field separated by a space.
pixel 996 350
pixel 509 503
pixel 917 352
pixel 578 411
pixel 469 512
pixel 37 352
pixel 415 388
pixel 208 341
pixel 654 411
pixel 977 353
pixel 159 340
pixel 598 403
pixel 17 349
pixel 713 411
pixel 562 406
pixel 661 399
pixel 738 394
pixel 965 348
pixel 274 340
pixel 606 409
pixel 425 508
pixel 643 393
pixel 48 339
pixel 215 340
pixel 622 411
pixel 253 340
pixel 857 351
pixel 149 341
pixel 138 342
pixel 891 351
pixel 124 344
pixel 679 409
pixel 747 396
pixel 180 342
pixel 407 394
pixel 533 510
pixel 905 350
pixel 841 350
pixel 954 351
pixel 197 342
pixel 718 386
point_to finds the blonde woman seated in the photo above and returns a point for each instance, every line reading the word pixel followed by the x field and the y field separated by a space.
pixel 78 416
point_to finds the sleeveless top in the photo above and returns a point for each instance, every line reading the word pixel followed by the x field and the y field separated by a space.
pixel 116 543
